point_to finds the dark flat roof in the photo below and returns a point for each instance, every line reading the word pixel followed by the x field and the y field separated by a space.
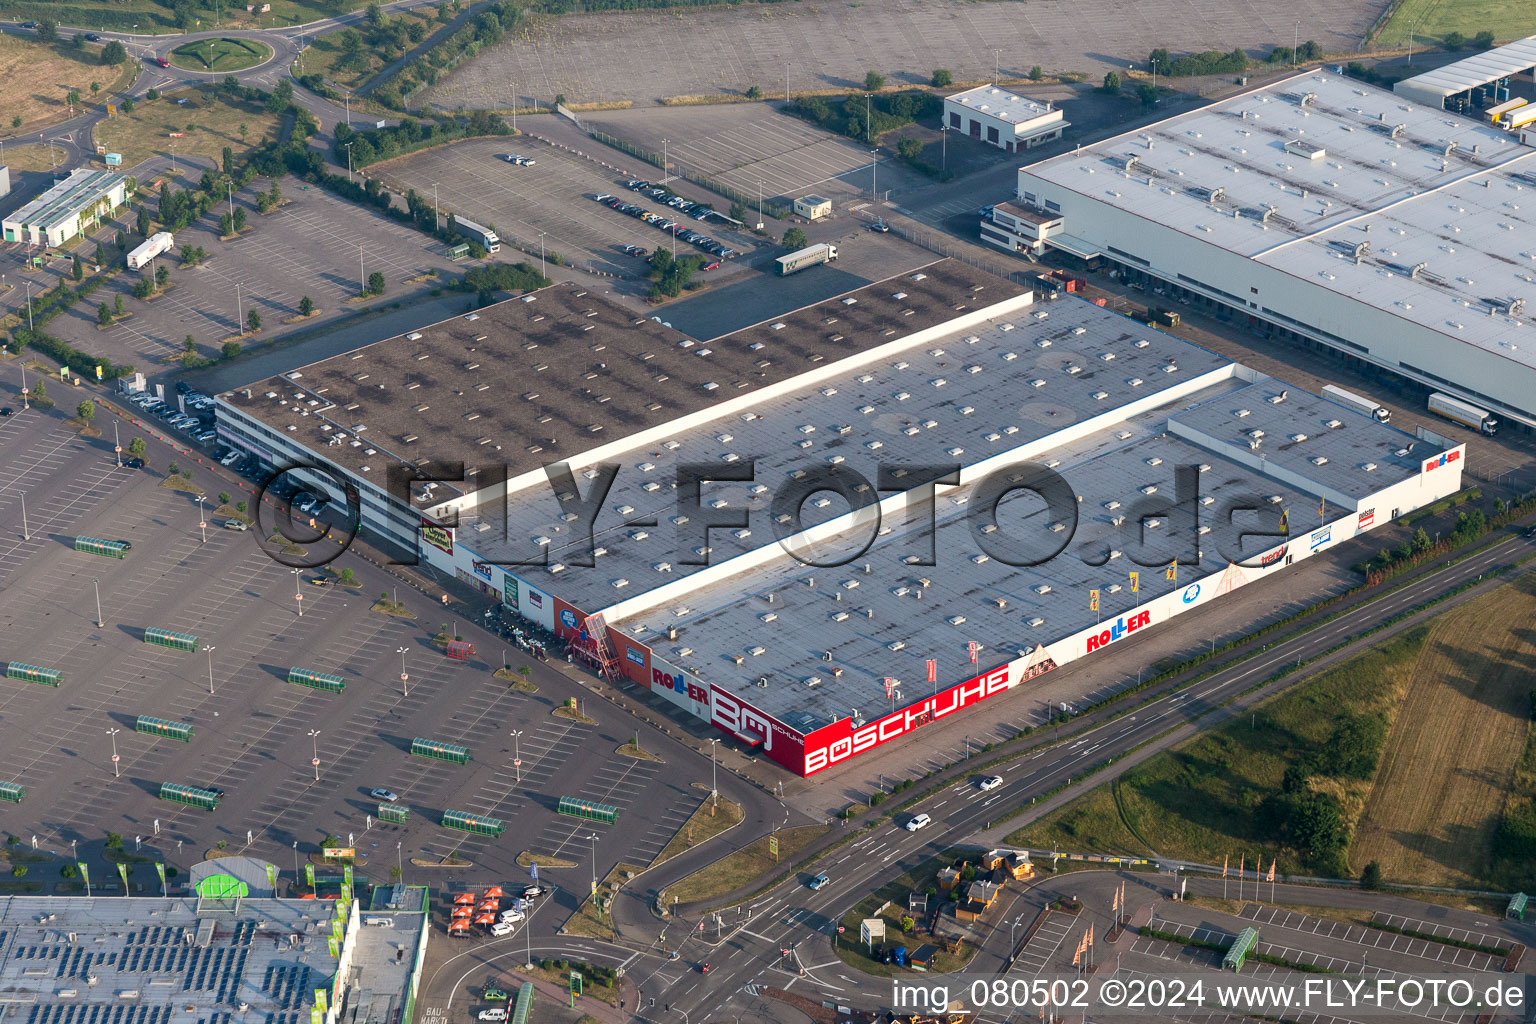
pixel 546 376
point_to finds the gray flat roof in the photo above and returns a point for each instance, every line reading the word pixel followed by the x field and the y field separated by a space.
pixel 541 378
pixel 967 397
pixel 858 617
pixel 272 954
pixel 1302 428
pixel 1479 69
pixel 1461 212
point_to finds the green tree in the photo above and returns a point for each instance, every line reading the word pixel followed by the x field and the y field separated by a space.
pixel 142 223
pixel 281 97
pixel 241 506
pixel 103 314
pixel 16 121
pixel 127 105
pixel 239 218
pixel 230 349
pixel 68 871
pixel 19 871
pixel 909 149
pixel 117 304
pixel 874 81
pixel 1453 41
pixel 189 344
pixel 137 447
pixel 1036 73
pixel 162 275
pixel 1483 40
pixel 224 498
pixel 348 577
pixel 375 284
pixel 1111 83
pixel 114 53
pixel 152 94
pixel 244 131
pixel 754 93
pixel 86 410
pixel 72 97
pixel 227 160
pixel 942 79
pixel 907 923
pixel 1146 94
pixel 114 841
pixel 48 30
pixel 375 16
pixel 253 320
pixel 306 306
pixel 1370 878
pixel 226 225
pixel 95 87
pixel 794 238
pixel 77 270
pixel 40 390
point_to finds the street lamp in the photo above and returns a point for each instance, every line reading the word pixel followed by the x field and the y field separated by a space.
pixel 349 161
pixel 593 839
pixel 209 649
pixel 434 206
pixel 759 204
pixel 517 757
pixel 874 158
pixel 100 622
pixel 404 679
pixel 113 734
pixel 541 253
pixel 314 736
pixel 202 520
pixel 298 597
pixel 295 863
pixel 714 790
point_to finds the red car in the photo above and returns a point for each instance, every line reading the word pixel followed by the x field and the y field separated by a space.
pixel 713 265
pixel 164 62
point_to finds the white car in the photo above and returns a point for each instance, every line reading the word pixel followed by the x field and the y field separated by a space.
pixel 921 821
pixel 496 1013
pixel 991 782
pixel 498 930
pixel 230 459
pixel 511 916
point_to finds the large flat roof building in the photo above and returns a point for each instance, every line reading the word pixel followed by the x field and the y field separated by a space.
pixel 71 207
pixel 1324 210
pixel 843 453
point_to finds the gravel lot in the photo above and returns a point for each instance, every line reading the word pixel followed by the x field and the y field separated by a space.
pixel 830 44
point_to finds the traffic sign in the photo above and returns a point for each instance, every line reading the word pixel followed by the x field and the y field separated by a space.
pixel 517 762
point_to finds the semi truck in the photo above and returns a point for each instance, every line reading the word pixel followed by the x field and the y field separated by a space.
pixel 1359 403
pixel 1519 117
pixel 1465 413
pixel 475 233
pixel 154 245
pixel 1494 113
pixel 807 257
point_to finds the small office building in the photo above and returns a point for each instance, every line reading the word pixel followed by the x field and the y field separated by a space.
pixel 71 207
pixel 813 207
pixel 1003 119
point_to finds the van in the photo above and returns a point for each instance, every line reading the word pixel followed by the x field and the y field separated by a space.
pixel 379 922
pixel 496 1013
pixel 499 929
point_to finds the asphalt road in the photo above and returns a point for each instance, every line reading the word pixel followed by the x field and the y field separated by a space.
pixel 792 916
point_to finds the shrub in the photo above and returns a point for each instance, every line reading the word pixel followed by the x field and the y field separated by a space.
pixel 19 871
pixel 1370 878
pixel 1453 41
pixel 375 284
pixel 754 93
pixel 114 53
pixel 874 81
pixel 941 79
pixel 241 506
pixel 794 238
pixel 1036 73
pixel 1111 83
pixel 230 349
pixel 306 306
pixel 253 320
pixel 152 94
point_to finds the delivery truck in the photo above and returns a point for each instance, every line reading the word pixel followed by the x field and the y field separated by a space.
pixel 1359 403
pixel 475 233
pixel 1465 413
pixel 154 245
pixel 807 257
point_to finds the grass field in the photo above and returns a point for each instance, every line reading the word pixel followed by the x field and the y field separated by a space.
pixel 208 121
pixel 220 54
pixel 1430 20
pixel 1218 795
pixel 31 158
pixel 39 76
pixel 1450 761
pixel 150 16
pixel 741 867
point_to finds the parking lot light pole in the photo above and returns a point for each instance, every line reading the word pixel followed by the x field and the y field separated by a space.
pixel 517 757
pixel 434 206
pixel 663 162
pixel 100 622
pixel 759 204
pixel 202 520
pixel 874 159
pixel 362 278
pixel 298 597
pixel 112 734
pixel 295 863
pixel 209 649
pixel 229 191
pixel 714 789
pixel 26 532
pixel 541 253
pixel 349 161
pixel 593 839
pixel 314 736
pixel 405 680
pixel 239 312
pixel 117 445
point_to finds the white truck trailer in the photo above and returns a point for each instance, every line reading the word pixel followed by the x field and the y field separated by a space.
pixel 1359 403
pixel 807 257
pixel 475 233
pixel 154 245
pixel 1465 413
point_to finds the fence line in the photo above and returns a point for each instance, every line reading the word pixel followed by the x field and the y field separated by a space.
pixel 936 244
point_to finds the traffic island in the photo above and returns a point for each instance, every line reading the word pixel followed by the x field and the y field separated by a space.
pixel 710 819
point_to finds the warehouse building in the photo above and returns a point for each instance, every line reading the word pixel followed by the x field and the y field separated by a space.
pixel 1003 119
pixel 1473 81
pixel 785 596
pixel 218 959
pixel 71 207
pixel 1325 212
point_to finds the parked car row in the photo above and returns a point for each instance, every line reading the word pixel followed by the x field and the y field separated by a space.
pixel 671 227
pixel 190 423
